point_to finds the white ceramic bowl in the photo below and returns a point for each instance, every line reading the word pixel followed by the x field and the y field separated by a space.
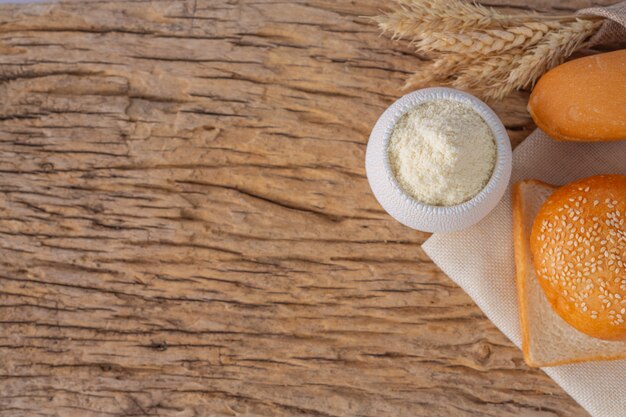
pixel 411 212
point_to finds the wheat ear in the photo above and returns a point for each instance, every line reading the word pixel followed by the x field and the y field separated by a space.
pixel 479 49
pixel 496 76
pixel 486 41
pixel 552 51
pixel 410 18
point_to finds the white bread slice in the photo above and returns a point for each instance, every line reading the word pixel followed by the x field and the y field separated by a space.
pixel 547 340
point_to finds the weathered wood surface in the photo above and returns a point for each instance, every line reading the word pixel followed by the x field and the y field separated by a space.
pixel 186 228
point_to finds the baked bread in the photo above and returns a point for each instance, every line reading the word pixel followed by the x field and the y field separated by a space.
pixel 547 340
pixel 578 243
pixel 583 100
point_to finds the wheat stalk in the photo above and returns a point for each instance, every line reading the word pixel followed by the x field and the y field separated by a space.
pixel 411 18
pixel 469 73
pixel 479 49
pixel 552 51
pixel 436 71
pixel 488 77
pixel 486 41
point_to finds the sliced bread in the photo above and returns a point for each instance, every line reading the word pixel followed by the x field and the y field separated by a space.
pixel 547 340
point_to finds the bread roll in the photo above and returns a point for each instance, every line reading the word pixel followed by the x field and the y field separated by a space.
pixel 583 100
pixel 547 340
pixel 578 243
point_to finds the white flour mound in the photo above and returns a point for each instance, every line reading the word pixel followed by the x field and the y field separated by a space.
pixel 442 152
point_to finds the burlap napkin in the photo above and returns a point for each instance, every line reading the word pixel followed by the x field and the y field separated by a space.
pixel 481 260
pixel 614 27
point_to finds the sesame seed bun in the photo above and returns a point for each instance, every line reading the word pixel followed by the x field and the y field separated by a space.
pixel 578 243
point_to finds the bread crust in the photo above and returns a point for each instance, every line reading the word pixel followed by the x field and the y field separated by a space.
pixel 520 243
pixel 578 244
pixel 583 100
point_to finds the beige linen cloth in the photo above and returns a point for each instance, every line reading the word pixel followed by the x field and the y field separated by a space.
pixel 481 259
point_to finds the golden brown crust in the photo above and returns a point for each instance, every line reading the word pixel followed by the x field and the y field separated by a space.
pixel 578 243
pixel 520 265
pixel 520 244
pixel 570 361
pixel 583 100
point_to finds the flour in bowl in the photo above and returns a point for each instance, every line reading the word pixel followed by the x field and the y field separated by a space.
pixel 442 153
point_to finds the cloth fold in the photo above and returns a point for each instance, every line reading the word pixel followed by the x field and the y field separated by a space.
pixel 481 260
pixel 613 29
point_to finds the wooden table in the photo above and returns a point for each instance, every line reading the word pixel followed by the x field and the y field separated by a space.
pixel 186 228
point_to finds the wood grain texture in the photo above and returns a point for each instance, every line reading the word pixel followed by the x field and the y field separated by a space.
pixel 186 228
